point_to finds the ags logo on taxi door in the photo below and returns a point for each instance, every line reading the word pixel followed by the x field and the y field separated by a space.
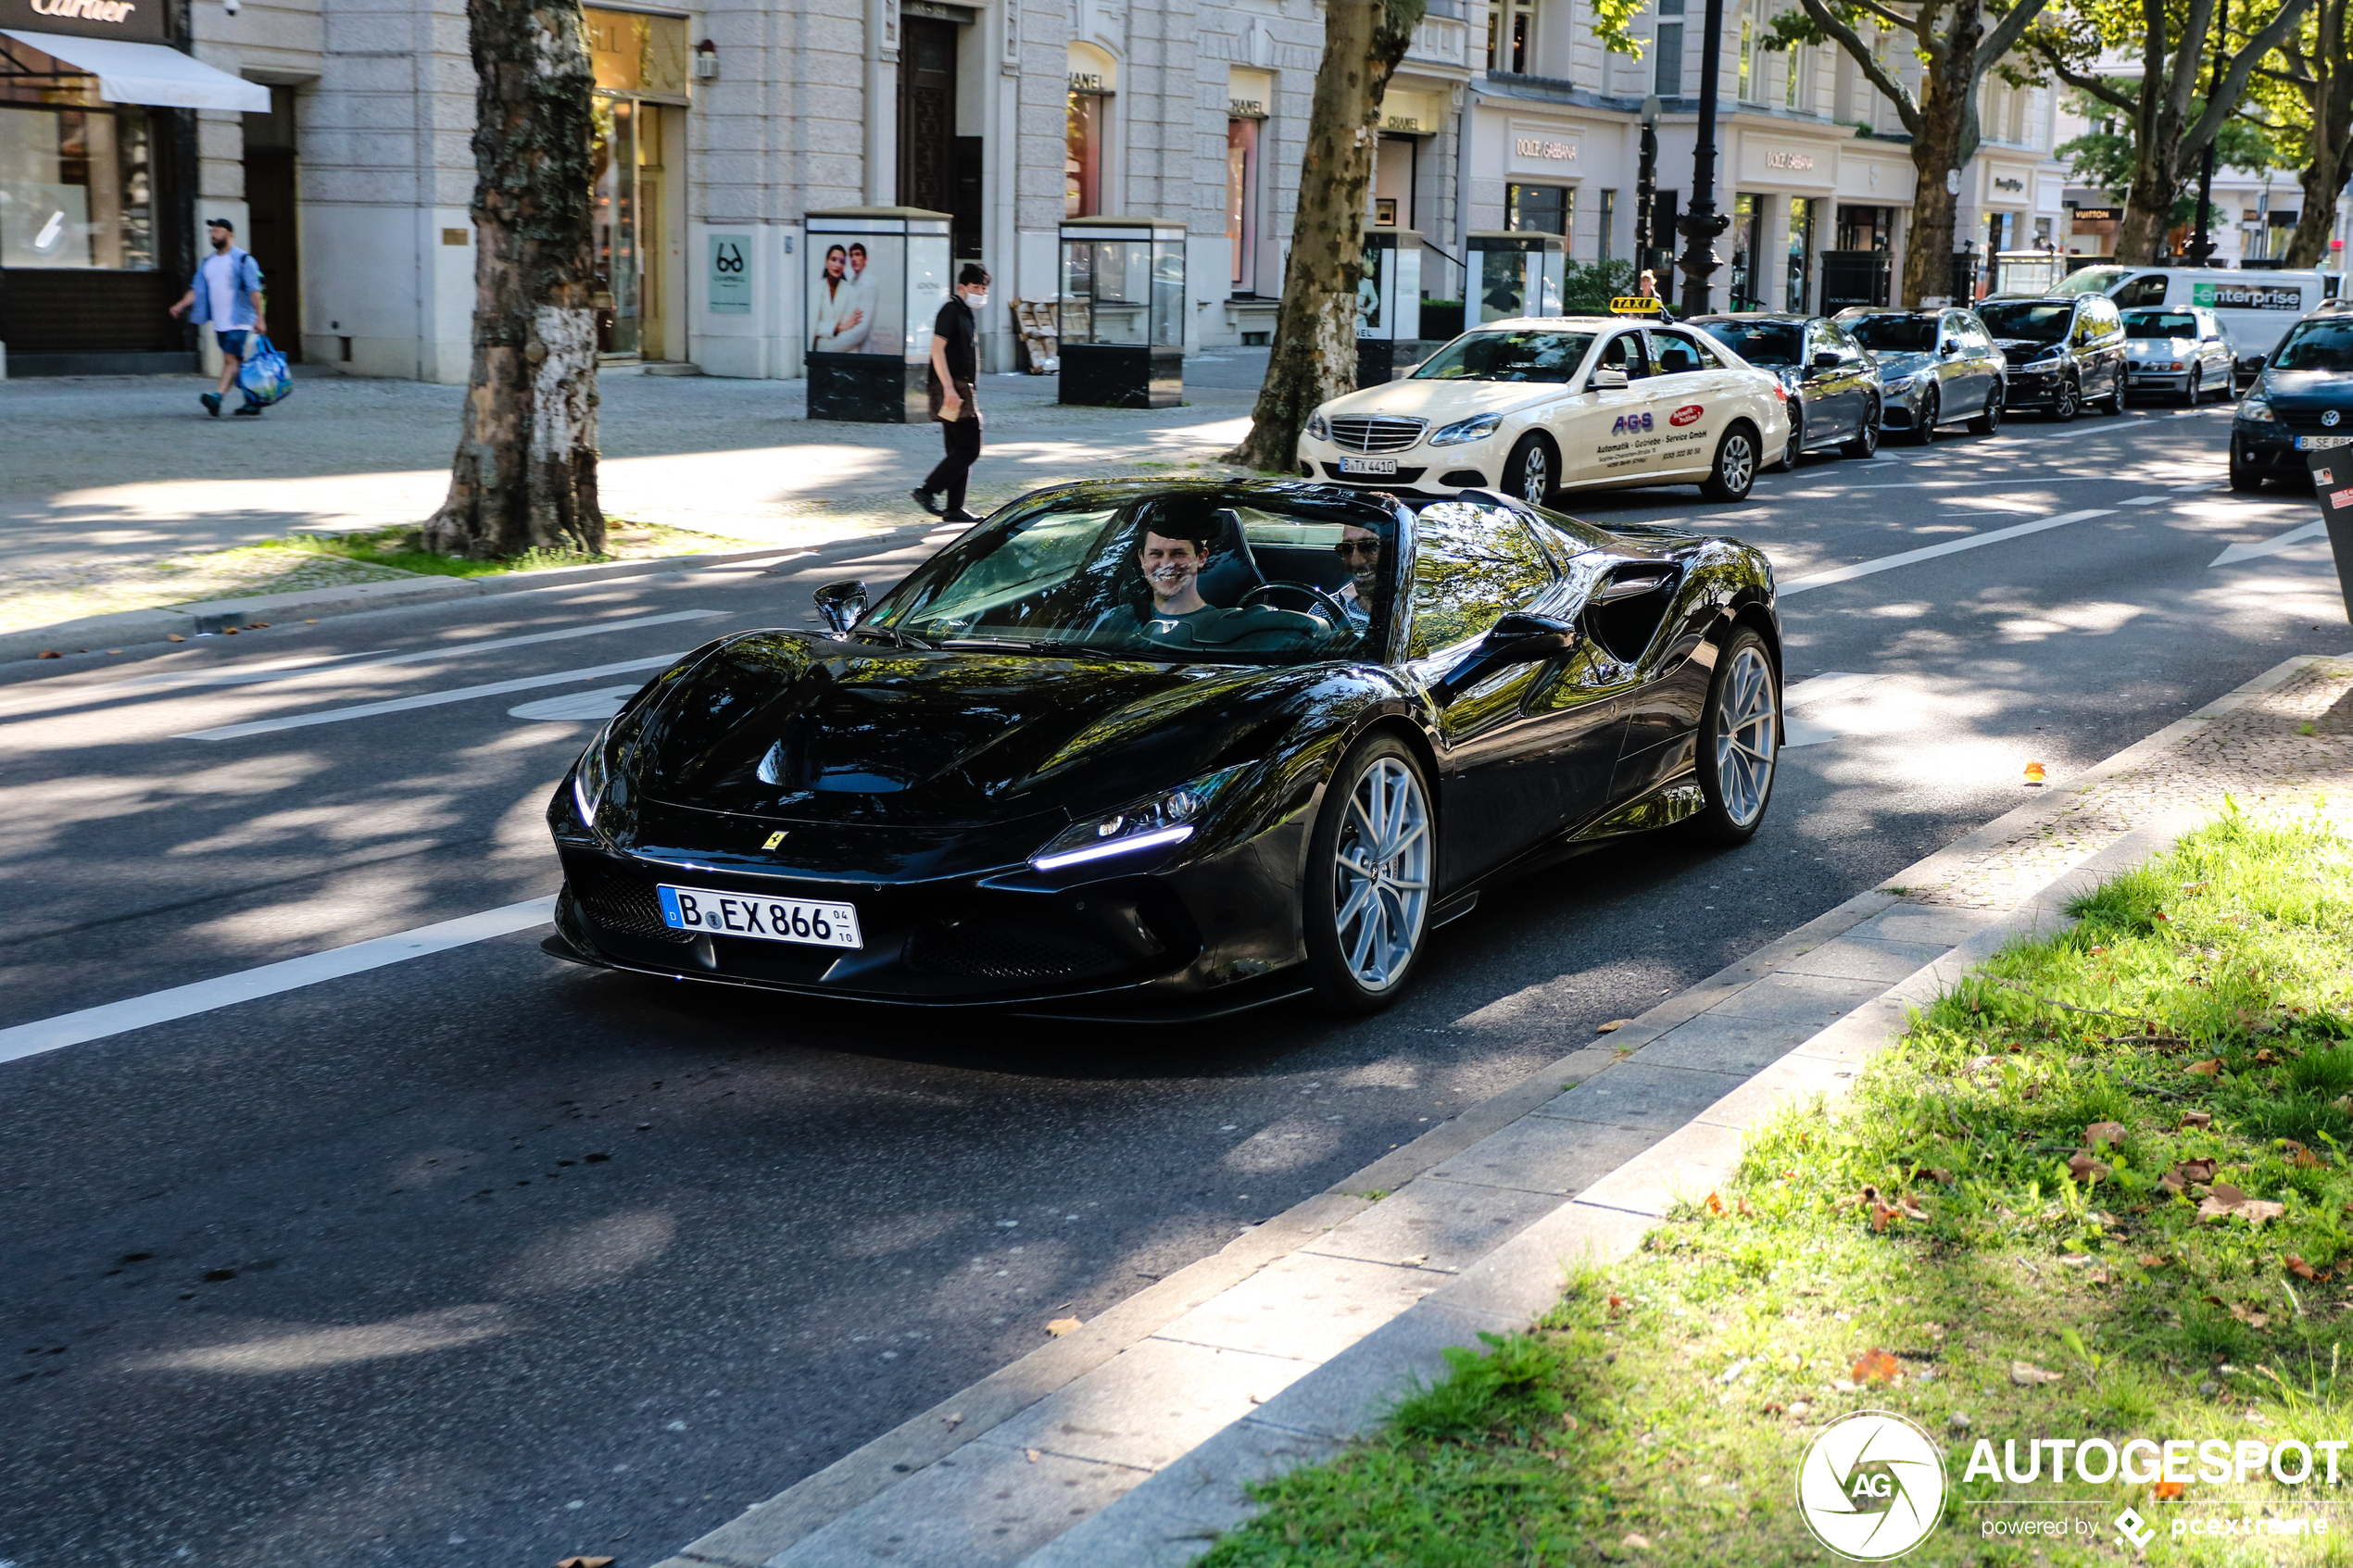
pixel 1686 414
pixel 1633 424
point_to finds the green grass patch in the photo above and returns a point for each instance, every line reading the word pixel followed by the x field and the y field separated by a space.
pixel 400 549
pixel 1929 1248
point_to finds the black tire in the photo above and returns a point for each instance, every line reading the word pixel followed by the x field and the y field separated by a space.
pixel 2115 398
pixel 2066 403
pixel 1924 423
pixel 1733 473
pixel 1529 473
pixel 2196 394
pixel 1990 419
pixel 1338 952
pixel 1743 694
pixel 2243 477
pixel 1867 444
pixel 1796 447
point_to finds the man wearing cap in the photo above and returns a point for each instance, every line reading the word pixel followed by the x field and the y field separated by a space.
pixel 227 294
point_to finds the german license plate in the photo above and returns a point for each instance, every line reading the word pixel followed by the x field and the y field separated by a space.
pixel 702 910
pixel 2322 443
pixel 1368 465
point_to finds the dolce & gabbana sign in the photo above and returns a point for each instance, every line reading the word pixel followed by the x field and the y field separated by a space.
pixel 143 20
pixel 1544 149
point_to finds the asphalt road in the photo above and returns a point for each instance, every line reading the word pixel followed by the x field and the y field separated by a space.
pixel 467 1261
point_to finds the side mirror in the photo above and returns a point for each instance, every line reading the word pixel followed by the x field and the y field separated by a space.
pixel 1609 378
pixel 1948 347
pixel 2253 362
pixel 1823 361
pixel 841 604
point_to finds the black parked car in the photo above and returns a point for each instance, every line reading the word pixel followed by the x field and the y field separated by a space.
pixel 2066 351
pixel 1834 391
pixel 1144 748
pixel 1935 367
pixel 2304 390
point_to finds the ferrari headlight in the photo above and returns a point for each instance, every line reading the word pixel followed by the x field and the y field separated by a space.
pixel 1477 428
pixel 1156 820
pixel 2255 408
pixel 589 777
pixel 1317 427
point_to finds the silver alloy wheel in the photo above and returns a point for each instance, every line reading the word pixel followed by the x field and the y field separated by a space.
pixel 1736 463
pixel 1380 874
pixel 1746 733
pixel 1535 475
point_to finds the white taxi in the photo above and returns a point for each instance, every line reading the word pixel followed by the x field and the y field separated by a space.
pixel 1538 405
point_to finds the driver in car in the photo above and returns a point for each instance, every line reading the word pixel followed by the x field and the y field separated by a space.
pixel 1180 617
pixel 1359 550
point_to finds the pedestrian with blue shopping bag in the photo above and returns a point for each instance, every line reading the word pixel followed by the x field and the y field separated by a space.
pixel 227 294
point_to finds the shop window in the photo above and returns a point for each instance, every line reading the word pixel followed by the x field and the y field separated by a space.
pixel 1511 36
pixel 1548 210
pixel 1083 155
pixel 1750 71
pixel 1241 202
pixel 1668 46
pixel 1393 161
pixel 1743 237
pixel 1801 250
pixel 1794 94
pixel 77 184
pixel 1605 243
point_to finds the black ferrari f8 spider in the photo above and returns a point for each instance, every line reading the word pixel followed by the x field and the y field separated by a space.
pixel 1149 750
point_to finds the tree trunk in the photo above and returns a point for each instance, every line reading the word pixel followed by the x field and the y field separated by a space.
pixel 1315 353
pixel 1944 139
pixel 2330 97
pixel 525 473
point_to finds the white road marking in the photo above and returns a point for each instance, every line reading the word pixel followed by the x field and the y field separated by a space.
pixel 228 990
pixel 1814 688
pixel 2317 529
pixel 2145 501
pixel 598 705
pixel 1929 552
pixel 429 699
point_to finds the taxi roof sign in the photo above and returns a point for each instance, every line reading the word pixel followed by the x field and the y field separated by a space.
pixel 1636 304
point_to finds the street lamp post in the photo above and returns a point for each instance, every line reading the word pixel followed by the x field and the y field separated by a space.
pixel 1647 185
pixel 1702 223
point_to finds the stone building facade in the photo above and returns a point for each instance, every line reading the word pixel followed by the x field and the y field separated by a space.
pixel 724 125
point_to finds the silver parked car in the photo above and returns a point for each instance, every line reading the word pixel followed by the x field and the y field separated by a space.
pixel 1935 367
pixel 2180 349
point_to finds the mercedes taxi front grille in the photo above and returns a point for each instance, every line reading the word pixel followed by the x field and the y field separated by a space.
pixel 1379 432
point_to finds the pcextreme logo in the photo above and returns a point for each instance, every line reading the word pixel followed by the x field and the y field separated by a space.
pixel 1686 414
pixel 1871 1486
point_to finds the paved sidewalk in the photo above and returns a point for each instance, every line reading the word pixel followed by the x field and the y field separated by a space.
pixel 1128 1443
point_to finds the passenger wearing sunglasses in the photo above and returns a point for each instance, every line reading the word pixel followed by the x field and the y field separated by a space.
pixel 1359 550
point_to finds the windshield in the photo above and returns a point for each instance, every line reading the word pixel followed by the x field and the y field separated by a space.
pixel 2317 345
pixel 2027 320
pixel 1894 334
pixel 2090 280
pixel 1195 575
pixel 2160 324
pixel 1517 356
pixel 1759 343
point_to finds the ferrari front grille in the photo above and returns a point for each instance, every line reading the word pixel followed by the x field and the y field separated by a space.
pixel 1006 950
pixel 623 905
pixel 1379 432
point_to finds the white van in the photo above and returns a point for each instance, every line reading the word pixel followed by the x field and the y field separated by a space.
pixel 2256 306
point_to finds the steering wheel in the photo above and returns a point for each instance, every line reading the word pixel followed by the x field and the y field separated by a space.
pixel 1337 612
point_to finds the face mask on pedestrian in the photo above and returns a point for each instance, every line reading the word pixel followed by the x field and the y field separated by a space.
pixel 978 299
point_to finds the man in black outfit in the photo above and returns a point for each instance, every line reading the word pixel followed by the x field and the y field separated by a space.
pixel 954 399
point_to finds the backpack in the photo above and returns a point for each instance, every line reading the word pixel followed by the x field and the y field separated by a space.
pixel 264 377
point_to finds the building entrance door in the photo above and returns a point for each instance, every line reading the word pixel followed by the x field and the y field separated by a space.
pixel 270 208
pixel 617 218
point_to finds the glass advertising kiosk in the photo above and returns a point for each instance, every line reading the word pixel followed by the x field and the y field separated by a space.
pixel 1514 273
pixel 1388 305
pixel 1122 312
pixel 877 277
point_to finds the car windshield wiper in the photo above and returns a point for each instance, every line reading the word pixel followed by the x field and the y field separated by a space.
pixel 893 634
pixel 1045 645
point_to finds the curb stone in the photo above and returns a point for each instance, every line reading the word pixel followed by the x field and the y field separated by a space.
pixel 1129 1443
pixel 124 628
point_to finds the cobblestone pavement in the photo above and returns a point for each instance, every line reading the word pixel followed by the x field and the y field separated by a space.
pixel 2289 744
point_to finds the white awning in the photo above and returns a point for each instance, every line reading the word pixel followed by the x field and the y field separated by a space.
pixel 150 73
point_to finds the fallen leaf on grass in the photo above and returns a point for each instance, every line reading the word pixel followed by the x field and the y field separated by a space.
pixel 2225 1200
pixel 2187 1174
pixel 2303 1157
pixel 2026 1374
pixel 2267 1058
pixel 2299 1268
pixel 1715 1204
pixel 1060 1326
pixel 2168 1490
pixel 2210 1068
pixel 2202 1118
pixel 1936 1173
pixel 2252 1319
pixel 2084 1168
pixel 1638 1542
pixel 2099 1133
pixel 1748 1211
pixel 1877 1366
pixel 2153 1260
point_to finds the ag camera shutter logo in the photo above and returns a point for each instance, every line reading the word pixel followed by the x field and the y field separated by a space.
pixel 1871 1486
